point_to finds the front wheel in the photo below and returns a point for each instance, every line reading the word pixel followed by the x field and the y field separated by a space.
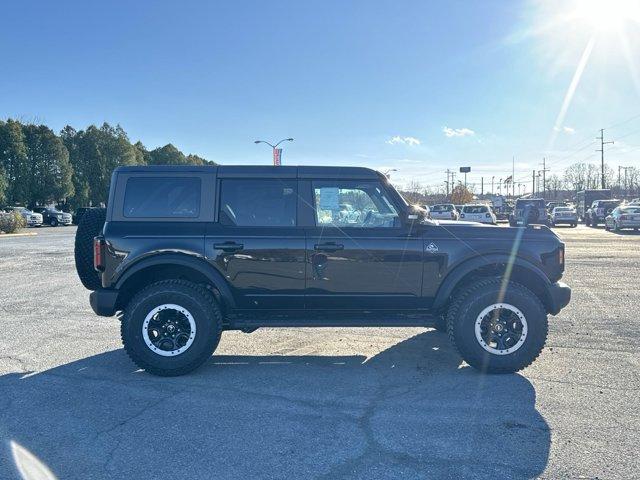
pixel 171 327
pixel 53 222
pixel 497 331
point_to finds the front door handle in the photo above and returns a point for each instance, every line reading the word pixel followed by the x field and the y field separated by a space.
pixel 228 246
pixel 328 247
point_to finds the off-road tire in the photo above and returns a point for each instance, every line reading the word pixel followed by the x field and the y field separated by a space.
pixel 440 323
pixel 202 305
pixel 90 226
pixel 467 305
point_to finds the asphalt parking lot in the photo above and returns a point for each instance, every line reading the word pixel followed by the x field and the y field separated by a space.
pixel 317 403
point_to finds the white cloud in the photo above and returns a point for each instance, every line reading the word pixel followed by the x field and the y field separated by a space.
pixel 397 139
pixel 458 132
pixel 567 130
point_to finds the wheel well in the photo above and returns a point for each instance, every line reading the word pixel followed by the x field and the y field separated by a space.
pixel 519 274
pixel 156 273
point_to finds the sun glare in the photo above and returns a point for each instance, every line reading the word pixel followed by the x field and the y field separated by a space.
pixel 607 15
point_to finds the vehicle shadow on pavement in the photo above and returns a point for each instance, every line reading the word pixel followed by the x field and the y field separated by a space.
pixel 410 411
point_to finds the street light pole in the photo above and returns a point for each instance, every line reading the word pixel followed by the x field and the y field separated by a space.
pixel 274 148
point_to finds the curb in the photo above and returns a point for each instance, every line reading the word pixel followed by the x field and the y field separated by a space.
pixel 29 234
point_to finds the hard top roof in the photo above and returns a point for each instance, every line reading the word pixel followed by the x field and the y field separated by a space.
pixel 259 171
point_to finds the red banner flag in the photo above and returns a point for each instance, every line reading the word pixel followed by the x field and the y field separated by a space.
pixel 277 157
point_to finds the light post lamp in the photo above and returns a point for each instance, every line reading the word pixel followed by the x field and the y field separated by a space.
pixel 277 152
pixel 387 173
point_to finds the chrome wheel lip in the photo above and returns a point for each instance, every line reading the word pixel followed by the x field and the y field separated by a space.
pixel 149 317
pixel 503 306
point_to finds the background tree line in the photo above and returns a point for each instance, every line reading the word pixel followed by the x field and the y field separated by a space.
pixel 576 177
pixel 72 168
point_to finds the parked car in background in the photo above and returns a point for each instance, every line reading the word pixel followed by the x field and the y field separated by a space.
pixel 478 213
pixel 33 219
pixel 624 216
pixel 529 211
pixel 585 199
pixel 78 213
pixel 427 209
pixel 563 216
pixel 504 212
pixel 54 217
pixel 599 210
pixel 444 211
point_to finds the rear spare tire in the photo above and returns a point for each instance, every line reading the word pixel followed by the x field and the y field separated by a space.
pixel 90 226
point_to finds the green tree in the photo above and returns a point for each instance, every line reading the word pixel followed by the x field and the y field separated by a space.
pixel 48 164
pixel 95 153
pixel 3 186
pixel 13 162
pixel 143 157
pixel 167 155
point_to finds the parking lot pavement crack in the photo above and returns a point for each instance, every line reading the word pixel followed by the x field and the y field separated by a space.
pixel 136 415
pixel 21 363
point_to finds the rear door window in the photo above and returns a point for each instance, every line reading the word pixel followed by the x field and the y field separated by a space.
pixel 258 203
pixel 162 197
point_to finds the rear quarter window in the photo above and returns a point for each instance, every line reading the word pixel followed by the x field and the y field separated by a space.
pixel 162 197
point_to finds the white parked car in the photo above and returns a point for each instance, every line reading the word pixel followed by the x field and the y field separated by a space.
pixel 33 219
pixel 444 211
pixel 478 213
pixel 563 215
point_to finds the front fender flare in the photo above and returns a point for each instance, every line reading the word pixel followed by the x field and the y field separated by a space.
pixel 453 279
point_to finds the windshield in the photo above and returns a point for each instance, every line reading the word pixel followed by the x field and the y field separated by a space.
pixel 530 203
pixel 475 209
pixel 442 208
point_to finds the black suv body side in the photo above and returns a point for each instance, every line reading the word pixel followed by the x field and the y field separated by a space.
pixel 307 246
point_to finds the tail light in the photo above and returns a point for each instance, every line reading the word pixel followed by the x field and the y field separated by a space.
pixel 561 257
pixel 487 215
pixel 462 215
pixel 98 254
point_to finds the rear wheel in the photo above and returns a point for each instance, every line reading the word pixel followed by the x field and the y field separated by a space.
pixel 495 332
pixel 90 226
pixel 171 327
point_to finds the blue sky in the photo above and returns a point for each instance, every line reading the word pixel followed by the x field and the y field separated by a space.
pixel 413 85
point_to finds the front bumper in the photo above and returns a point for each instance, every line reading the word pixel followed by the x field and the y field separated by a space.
pixel 103 301
pixel 560 296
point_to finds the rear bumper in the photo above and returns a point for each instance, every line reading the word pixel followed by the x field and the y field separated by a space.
pixel 560 296
pixel 103 302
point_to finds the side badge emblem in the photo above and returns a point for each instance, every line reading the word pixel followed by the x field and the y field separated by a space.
pixel 432 248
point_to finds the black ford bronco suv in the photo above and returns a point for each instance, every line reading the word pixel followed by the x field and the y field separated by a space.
pixel 183 253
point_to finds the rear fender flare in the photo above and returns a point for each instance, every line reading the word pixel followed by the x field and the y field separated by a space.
pixel 196 263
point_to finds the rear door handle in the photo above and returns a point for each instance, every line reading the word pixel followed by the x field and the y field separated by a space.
pixel 228 246
pixel 328 247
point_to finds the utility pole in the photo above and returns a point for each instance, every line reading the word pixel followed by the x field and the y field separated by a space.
pixel 544 177
pixel 601 150
pixel 620 167
pixel 533 186
pixel 492 190
pixel 481 186
pixel 513 176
